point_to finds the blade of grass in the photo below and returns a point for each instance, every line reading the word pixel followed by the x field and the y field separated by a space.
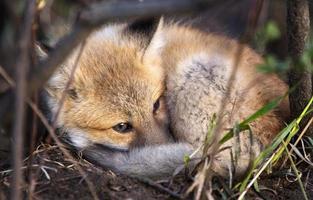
pixel 288 132
pixel 295 129
pixel 294 167
pixel 244 125
pixel 265 109
pixel 255 177
pixel 265 153
pixel 301 134
pixel 302 157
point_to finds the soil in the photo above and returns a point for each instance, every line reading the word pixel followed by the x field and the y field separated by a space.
pixel 55 177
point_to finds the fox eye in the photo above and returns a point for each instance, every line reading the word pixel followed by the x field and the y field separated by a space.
pixel 123 127
pixel 156 105
pixel 72 93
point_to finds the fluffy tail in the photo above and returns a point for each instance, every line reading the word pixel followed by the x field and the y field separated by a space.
pixel 161 161
pixel 149 162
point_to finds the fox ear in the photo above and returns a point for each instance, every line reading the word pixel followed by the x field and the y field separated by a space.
pixel 157 42
pixel 55 81
pixel 149 30
pixel 41 52
pixel 59 79
pixel 144 28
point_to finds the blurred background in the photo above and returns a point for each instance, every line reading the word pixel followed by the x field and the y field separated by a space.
pixel 53 20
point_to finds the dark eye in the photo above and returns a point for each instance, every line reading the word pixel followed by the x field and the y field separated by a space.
pixel 72 93
pixel 123 127
pixel 156 105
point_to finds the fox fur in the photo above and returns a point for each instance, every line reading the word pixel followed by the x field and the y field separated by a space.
pixel 165 82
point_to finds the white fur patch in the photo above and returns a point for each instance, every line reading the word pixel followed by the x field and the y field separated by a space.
pixel 204 58
pixel 78 138
pixel 109 32
pixel 57 80
pixel 189 61
pixel 52 105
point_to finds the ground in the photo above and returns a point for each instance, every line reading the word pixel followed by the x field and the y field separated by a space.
pixel 56 177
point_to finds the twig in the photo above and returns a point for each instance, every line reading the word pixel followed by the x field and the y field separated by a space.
pixel 61 146
pixel 6 77
pixel 62 50
pixel 53 135
pixel 159 187
pixel 68 84
pixel 299 137
pixel 253 18
pixel 22 168
pixel 33 139
pixel 293 166
pixel 256 177
pixel 213 147
pixel 21 68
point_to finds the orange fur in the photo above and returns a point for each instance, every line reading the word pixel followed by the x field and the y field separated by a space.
pixel 121 76
pixel 113 85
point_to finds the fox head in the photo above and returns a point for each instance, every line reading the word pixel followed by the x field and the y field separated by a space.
pixel 115 98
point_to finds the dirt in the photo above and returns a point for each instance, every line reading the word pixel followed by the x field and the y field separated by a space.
pixel 284 186
pixel 55 177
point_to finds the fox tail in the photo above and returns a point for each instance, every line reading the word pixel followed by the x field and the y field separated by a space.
pixel 153 162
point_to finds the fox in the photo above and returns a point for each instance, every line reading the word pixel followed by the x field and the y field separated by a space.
pixel 144 93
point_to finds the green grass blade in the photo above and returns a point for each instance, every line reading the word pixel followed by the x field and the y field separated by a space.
pixel 288 132
pixel 244 125
pixel 295 129
pixel 265 109
pixel 265 153
pixel 296 172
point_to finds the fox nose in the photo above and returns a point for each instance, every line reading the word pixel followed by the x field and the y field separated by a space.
pixel 158 135
pixel 150 133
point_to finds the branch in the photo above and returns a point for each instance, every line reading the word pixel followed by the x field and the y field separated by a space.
pixel 21 68
pixel 98 14
pixel 204 173
pixel 298 22
pixel 57 56
pixel 104 11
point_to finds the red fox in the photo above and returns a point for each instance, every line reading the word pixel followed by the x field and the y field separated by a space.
pixel 144 93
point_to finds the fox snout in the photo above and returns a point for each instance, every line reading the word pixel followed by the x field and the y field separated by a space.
pixel 152 133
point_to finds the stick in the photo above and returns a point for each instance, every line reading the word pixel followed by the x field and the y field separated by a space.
pixel 21 68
